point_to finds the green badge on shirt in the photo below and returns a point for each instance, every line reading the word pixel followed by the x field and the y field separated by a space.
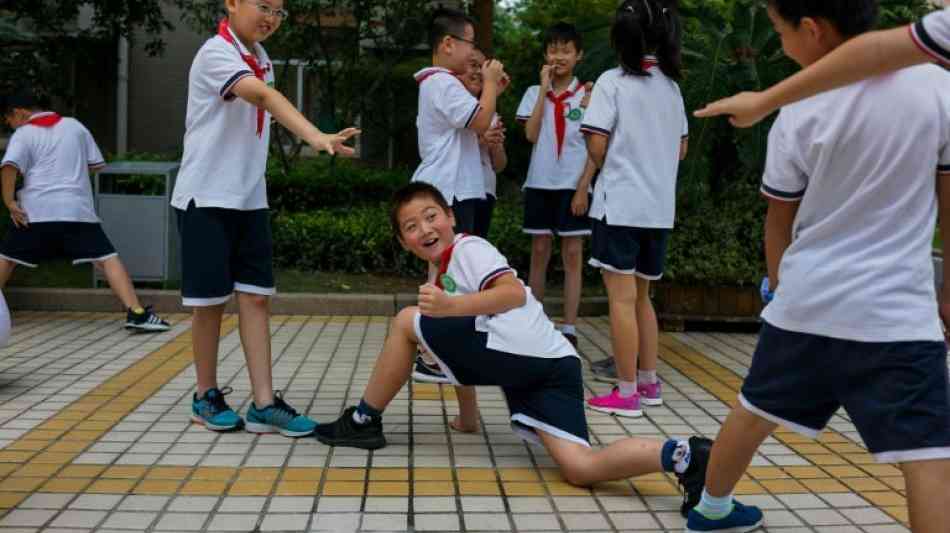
pixel 575 114
pixel 448 283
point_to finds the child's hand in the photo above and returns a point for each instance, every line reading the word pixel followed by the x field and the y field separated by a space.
pixel 504 83
pixel 495 135
pixel 493 71
pixel 332 143
pixel 588 91
pixel 18 215
pixel 546 79
pixel 580 203
pixel 433 301
pixel 744 109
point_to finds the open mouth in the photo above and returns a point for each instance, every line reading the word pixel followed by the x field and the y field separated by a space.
pixel 265 28
pixel 429 243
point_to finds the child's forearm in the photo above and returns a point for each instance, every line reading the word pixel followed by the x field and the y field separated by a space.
pixel 597 149
pixel 778 236
pixel 488 102
pixel 532 127
pixel 497 299
pixel 288 116
pixel 8 175
pixel 587 176
pixel 499 158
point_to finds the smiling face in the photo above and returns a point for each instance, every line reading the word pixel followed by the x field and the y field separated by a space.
pixel 253 21
pixel 472 79
pixel 563 56
pixel 425 228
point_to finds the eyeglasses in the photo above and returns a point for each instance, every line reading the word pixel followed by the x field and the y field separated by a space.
pixel 268 11
pixel 463 39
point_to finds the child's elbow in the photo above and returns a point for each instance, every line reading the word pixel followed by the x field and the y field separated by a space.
pixel 519 296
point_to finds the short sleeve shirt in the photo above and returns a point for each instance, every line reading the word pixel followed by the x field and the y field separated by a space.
pixel 859 265
pixel 54 162
pixel 225 160
pixel 548 169
pixel 474 263
pixel 451 158
pixel 645 119
pixel 932 35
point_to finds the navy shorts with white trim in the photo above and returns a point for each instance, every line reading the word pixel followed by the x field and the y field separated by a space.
pixel 222 251
pixel 542 393
pixel 80 242
pixel 896 393
pixel 548 212
pixel 626 250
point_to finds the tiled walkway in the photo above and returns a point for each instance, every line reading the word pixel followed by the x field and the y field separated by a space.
pixel 95 436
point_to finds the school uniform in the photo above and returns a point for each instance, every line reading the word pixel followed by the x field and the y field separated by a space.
pixel 451 159
pixel 854 321
pixel 932 35
pixel 634 203
pixel 558 159
pixel 220 194
pixel 54 154
pixel 486 207
pixel 518 350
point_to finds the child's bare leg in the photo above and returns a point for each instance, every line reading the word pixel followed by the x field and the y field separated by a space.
pixel 623 459
pixel 119 281
pixel 572 253
pixel 394 365
pixel 928 495
pixel 6 270
pixel 254 326
pixel 624 334
pixel 648 328
pixel 540 257
pixel 739 438
pixel 467 419
pixel 205 334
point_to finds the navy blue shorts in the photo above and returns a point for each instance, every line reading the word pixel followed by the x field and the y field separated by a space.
pixel 542 393
pixel 626 250
pixel 896 393
pixel 548 212
pixel 223 251
pixel 80 242
pixel 483 214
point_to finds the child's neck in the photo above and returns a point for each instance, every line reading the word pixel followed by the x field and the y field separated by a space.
pixel 441 61
pixel 249 44
pixel 560 84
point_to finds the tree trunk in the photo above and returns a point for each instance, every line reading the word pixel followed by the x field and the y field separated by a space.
pixel 484 12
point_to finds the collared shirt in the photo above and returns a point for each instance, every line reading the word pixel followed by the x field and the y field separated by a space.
pixel 548 170
pixel 932 35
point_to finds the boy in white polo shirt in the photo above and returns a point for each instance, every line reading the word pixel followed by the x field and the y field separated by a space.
pixel 53 215
pixel 854 323
pixel 556 192
pixel 221 200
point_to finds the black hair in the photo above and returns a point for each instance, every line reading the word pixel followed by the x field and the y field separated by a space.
pixel 849 17
pixel 642 27
pixel 447 22
pixel 20 98
pixel 409 193
pixel 563 32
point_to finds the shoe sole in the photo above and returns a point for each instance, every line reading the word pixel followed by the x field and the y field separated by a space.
pixel 374 444
pixel 262 429
pixel 737 529
pixel 425 378
pixel 147 327
pixel 652 402
pixel 213 427
pixel 627 413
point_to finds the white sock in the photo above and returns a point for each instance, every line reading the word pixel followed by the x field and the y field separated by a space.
pixel 568 329
pixel 627 388
pixel 647 377
pixel 715 508
pixel 360 419
pixel 681 456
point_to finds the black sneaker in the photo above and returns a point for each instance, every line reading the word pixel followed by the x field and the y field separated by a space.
pixel 345 432
pixel 605 371
pixel 426 373
pixel 694 479
pixel 145 321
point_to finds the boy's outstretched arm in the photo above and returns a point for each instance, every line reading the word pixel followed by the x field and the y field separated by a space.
pixel 503 294
pixel 259 94
pixel 778 235
pixel 865 56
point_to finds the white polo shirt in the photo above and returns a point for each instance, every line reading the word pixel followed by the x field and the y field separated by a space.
pixel 451 158
pixel 932 35
pixel 645 118
pixel 548 170
pixel 487 168
pixel 859 266
pixel 55 163
pixel 225 160
pixel 472 265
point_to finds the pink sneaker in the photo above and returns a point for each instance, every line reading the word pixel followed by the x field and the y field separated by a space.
pixel 650 394
pixel 614 404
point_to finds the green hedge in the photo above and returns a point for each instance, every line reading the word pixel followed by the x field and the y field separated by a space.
pixel 321 183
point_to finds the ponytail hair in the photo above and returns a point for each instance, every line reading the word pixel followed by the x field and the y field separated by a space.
pixel 643 27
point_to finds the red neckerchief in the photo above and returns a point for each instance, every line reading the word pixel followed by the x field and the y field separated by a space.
pixel 45 120
pixel 445 260
pixel 427 73
pixel 251 61
pixel 648 63
pixel 560 121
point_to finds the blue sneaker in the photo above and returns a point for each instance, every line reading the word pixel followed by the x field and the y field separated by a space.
pixel 279 418
pixel 213 412
pixel 741 519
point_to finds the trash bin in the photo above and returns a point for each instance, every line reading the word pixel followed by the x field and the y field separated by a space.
pixel 132 200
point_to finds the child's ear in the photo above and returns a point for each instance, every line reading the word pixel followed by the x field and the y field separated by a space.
pixel 812 27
